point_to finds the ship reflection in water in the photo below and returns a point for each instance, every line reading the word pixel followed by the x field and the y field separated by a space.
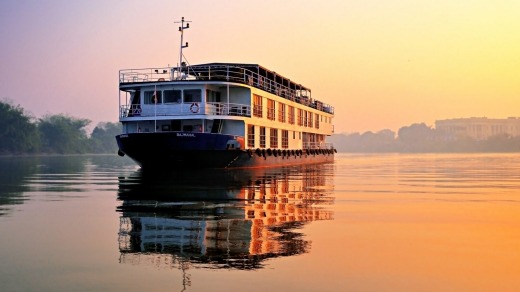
pixel 220 219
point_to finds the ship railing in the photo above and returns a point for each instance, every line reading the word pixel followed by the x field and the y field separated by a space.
pixel 317 145
pixel 230 73
pixel 208 108
pixel 251 78
pixel 149 75
pixel 228 109
pixel 130 110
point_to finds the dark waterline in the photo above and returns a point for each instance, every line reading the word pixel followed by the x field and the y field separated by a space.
pixel 363 223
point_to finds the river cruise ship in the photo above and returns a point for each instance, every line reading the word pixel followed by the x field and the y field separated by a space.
pixel 220 115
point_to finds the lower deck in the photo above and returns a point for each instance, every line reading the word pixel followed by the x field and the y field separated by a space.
pixel 254 135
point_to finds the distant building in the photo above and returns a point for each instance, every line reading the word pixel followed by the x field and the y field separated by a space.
pixel 479 128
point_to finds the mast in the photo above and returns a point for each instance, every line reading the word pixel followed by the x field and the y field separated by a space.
pixel 181 29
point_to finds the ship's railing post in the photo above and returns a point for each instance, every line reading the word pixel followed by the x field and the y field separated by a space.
pixel 227 73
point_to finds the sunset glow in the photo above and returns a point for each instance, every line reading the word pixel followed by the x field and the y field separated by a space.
pixel 382 64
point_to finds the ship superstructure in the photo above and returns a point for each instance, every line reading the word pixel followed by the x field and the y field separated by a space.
pixel 220 115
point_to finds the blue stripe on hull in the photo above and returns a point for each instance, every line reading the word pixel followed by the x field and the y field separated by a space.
pixel 179 150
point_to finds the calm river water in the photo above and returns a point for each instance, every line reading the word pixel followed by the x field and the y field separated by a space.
pixel 382 222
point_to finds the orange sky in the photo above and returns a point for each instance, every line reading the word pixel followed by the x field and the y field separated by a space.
pixel 382 64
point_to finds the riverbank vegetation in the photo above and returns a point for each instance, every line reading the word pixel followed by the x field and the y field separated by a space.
pixel 21 133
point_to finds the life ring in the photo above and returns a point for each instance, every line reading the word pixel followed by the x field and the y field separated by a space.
pixel 194 108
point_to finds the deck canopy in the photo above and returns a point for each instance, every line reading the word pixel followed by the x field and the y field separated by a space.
pixel 237 71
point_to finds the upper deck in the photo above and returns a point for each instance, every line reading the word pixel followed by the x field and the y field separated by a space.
pixel 249 74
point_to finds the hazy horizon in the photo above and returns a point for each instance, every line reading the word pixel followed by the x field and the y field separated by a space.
pixel 381 64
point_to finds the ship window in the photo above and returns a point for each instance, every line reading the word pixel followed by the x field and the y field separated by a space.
pixel 273 142
pixel 291 114
pixel 281 112
pixel 192 95
pixel 285 139
pixel 150 97
pixel 212 96
pixel 251 136
pixel 262 137
pixel 257 106
pixel 270 109
pixel 172 96
pixel 176 125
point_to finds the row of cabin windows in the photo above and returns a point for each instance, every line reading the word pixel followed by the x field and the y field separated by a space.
pixel 172 96
pixel 281 186
pixel 273 137
pixel 286 113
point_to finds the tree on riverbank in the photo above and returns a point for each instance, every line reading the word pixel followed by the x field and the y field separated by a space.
pixel 63 134
pixel 18 134
pixel 52 134
pixel 102 139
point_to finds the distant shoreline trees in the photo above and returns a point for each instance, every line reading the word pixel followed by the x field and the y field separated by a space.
pixel 420 138
pixel 52 134
pixel 62 134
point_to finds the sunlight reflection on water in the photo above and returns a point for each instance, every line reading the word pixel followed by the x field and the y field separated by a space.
pixel 365 222
pixel 232 219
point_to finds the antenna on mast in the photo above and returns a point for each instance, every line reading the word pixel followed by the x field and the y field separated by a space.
pixel 181 29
